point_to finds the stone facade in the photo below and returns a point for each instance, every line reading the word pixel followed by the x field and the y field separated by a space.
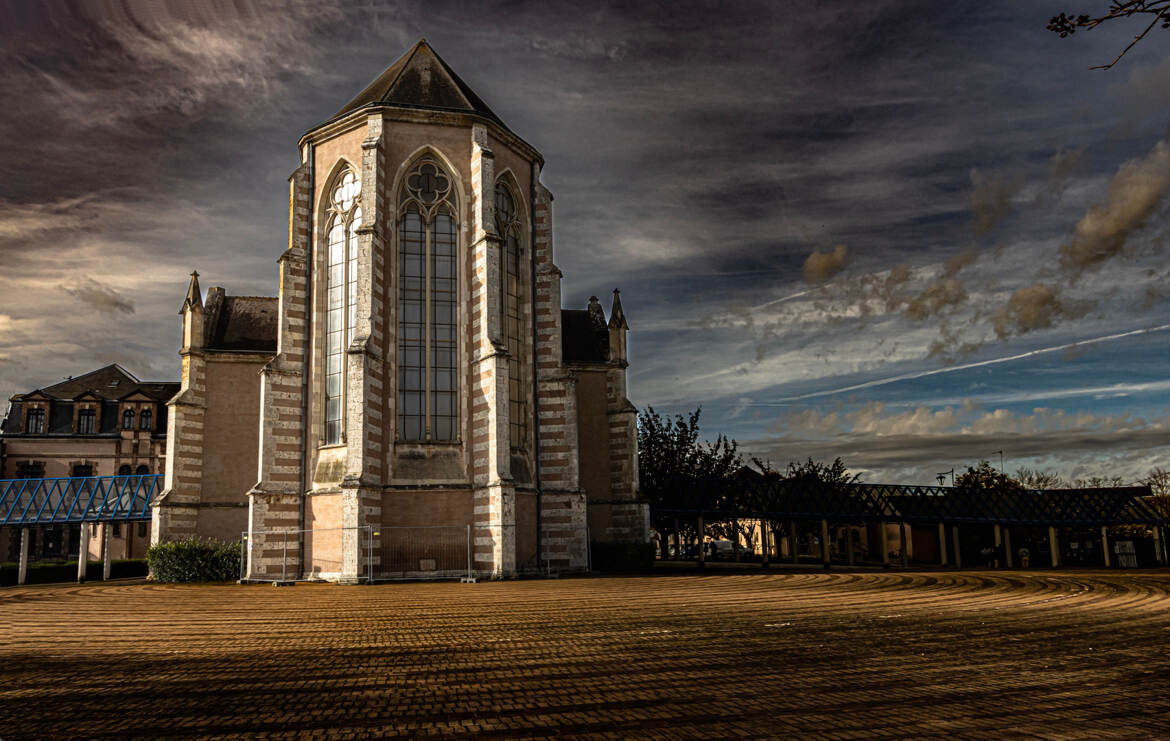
pixel 422 383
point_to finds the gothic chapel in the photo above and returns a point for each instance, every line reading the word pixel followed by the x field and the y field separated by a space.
pixel 416 377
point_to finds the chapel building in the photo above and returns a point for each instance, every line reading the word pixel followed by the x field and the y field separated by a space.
pixel 424 376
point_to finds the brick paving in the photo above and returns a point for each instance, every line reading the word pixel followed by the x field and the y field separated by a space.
pixel 832 655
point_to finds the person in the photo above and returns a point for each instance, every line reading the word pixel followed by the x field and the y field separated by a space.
pixel 1025 558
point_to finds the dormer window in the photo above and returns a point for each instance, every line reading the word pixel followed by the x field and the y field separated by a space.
pixel 128 419
pixel 35 423
pixel 145 419
pixel 86 422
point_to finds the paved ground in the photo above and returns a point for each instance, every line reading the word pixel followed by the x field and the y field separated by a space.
pixel 979 654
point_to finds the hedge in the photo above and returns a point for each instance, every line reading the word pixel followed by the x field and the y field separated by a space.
pixel 194 559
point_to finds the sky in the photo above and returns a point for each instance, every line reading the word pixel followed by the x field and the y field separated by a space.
pixel 908 234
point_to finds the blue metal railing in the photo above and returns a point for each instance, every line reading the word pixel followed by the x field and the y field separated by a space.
pixel 77 499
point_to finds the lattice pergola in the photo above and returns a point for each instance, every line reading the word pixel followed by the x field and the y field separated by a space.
pixel 785 499
pixel 53 501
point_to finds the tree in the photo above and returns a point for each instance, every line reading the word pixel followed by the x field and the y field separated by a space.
pixel 1157 11
pixel 814 471
pixel 670 447
pixel 1099 482
pixel 986 477
pixel 1158 479
pixel 1037 479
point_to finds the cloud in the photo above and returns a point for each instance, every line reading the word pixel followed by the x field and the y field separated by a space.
pixel 1034 307
pixel 820 266
pixel 98 295
pixel 990 199
pixel 1134 193
pixel 942 294
pixel 912 445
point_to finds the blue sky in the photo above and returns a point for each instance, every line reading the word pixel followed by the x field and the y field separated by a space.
pixel 906 234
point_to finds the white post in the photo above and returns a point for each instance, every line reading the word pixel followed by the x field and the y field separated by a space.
pixel 1053 546
pixel 105 551
pixel 1159 556
pixel 22 572
pixel 942 544
pixel 1007 547
pixel 82 552
pixel 1105 544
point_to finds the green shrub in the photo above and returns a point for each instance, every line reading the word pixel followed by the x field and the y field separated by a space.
pixel 194 559
pixel 622 556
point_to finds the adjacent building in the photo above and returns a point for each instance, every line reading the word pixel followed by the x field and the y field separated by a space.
pixel 102 423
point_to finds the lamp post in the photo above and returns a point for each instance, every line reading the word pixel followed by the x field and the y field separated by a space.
pixel 942 475
pixel 1000 462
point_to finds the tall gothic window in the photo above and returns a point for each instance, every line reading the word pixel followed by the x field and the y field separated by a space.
pixel 508 225
pixel 427 306
pixel 345 216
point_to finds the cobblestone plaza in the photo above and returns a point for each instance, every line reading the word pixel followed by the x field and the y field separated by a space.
pixel 836 655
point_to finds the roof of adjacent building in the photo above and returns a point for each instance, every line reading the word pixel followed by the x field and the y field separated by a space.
pixel 421 79
pixel 111 382
pixel 584 339
pixel 245 324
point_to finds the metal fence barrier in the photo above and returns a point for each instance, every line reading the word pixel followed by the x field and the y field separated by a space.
pixel 423 552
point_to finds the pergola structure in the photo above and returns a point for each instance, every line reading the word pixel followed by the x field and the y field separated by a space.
pixel 25 503
pixel 776 500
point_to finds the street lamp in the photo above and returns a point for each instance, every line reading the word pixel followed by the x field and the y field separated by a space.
pixel 941 476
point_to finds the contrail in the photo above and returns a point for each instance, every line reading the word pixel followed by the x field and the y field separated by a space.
pixel 953 368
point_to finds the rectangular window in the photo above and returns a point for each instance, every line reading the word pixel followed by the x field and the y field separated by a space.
pixel 86 422
pixel 30 470
pixel 83 469
pixel 142 529
pixel 117 530
pixel 36 421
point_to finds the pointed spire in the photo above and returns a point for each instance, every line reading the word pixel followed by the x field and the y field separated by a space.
pixel 617 317
pixel 194 295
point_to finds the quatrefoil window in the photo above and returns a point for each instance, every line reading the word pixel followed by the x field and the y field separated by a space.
pixel 428 184
pixel 346 192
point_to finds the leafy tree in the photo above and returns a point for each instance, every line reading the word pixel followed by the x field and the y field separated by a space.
pixel 1157 11
pixel 1037 479
pixel 670 447
pixel 986 477
pixel 815 471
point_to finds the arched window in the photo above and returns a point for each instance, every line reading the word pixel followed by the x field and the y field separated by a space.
pixel 142 470
pixel 427 306
pixel 511 291
pixel 345 216
pixel 145 419
pixel 128 419
pixel 124 469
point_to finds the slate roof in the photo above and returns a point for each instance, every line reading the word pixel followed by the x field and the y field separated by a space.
pixel 583 338
pixel 111 382
pixel 421 79
pixel 245 324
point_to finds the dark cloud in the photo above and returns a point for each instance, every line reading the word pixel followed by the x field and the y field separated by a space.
pixel 1135 192
pixel 98 296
